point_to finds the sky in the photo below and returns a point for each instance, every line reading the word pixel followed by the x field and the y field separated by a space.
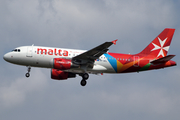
pixel 85 24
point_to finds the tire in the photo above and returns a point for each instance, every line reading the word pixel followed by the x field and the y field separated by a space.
pixel 85 76
pixel 83 82
pixel 27 75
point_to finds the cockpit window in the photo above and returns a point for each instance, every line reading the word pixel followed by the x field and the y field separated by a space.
pixel 16 50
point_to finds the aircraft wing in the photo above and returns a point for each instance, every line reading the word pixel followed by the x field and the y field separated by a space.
pixel 91 55
pixel 163 60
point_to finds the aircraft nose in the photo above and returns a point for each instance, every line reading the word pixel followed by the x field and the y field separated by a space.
pixel 6 57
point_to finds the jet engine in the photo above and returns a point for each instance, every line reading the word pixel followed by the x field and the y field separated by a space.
pixel 62 64
pixel 61 75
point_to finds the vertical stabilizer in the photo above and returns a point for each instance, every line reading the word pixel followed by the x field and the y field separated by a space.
pixel 160 45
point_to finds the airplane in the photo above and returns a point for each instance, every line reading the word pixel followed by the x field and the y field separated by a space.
pixel 67 63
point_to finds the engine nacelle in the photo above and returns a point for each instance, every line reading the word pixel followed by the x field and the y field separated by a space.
pixel 61 75
pixel 62 64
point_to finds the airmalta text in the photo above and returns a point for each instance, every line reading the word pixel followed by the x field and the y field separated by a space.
pixel 57 52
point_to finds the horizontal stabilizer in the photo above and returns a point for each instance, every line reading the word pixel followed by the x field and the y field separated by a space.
pixel 163 59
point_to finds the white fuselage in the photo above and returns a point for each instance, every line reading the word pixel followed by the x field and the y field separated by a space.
pixel 38 56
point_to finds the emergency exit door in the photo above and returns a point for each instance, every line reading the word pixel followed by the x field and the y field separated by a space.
pixel 136 61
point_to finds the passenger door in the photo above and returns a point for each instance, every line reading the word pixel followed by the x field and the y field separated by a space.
pixel 29 51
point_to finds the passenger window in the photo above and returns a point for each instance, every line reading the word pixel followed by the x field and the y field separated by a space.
pixel 19 50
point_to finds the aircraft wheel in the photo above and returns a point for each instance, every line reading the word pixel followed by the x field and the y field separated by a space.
pixel 85 76
pixel 27 74
pixel 83 82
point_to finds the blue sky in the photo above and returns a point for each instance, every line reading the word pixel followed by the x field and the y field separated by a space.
pixel 84 25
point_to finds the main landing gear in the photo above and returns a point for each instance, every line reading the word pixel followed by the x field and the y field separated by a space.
pixel 85 76
pixel 28 73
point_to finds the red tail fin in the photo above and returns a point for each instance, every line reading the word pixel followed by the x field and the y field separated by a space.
pixel 160 45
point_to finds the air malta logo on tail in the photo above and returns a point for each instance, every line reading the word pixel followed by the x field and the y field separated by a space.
pixel 160 47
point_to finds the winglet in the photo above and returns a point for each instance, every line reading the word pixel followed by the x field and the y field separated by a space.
pixel 114 41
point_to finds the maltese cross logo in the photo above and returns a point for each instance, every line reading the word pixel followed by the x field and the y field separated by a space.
pixel 161 47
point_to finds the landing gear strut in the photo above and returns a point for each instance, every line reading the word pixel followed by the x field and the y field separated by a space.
pixel 85 76
pixel 28 73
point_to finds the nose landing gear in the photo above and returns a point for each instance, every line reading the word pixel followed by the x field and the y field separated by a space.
pixel 28 73
pixel 85 76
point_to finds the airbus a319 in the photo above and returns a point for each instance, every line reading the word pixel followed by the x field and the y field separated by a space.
pixel 67 63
